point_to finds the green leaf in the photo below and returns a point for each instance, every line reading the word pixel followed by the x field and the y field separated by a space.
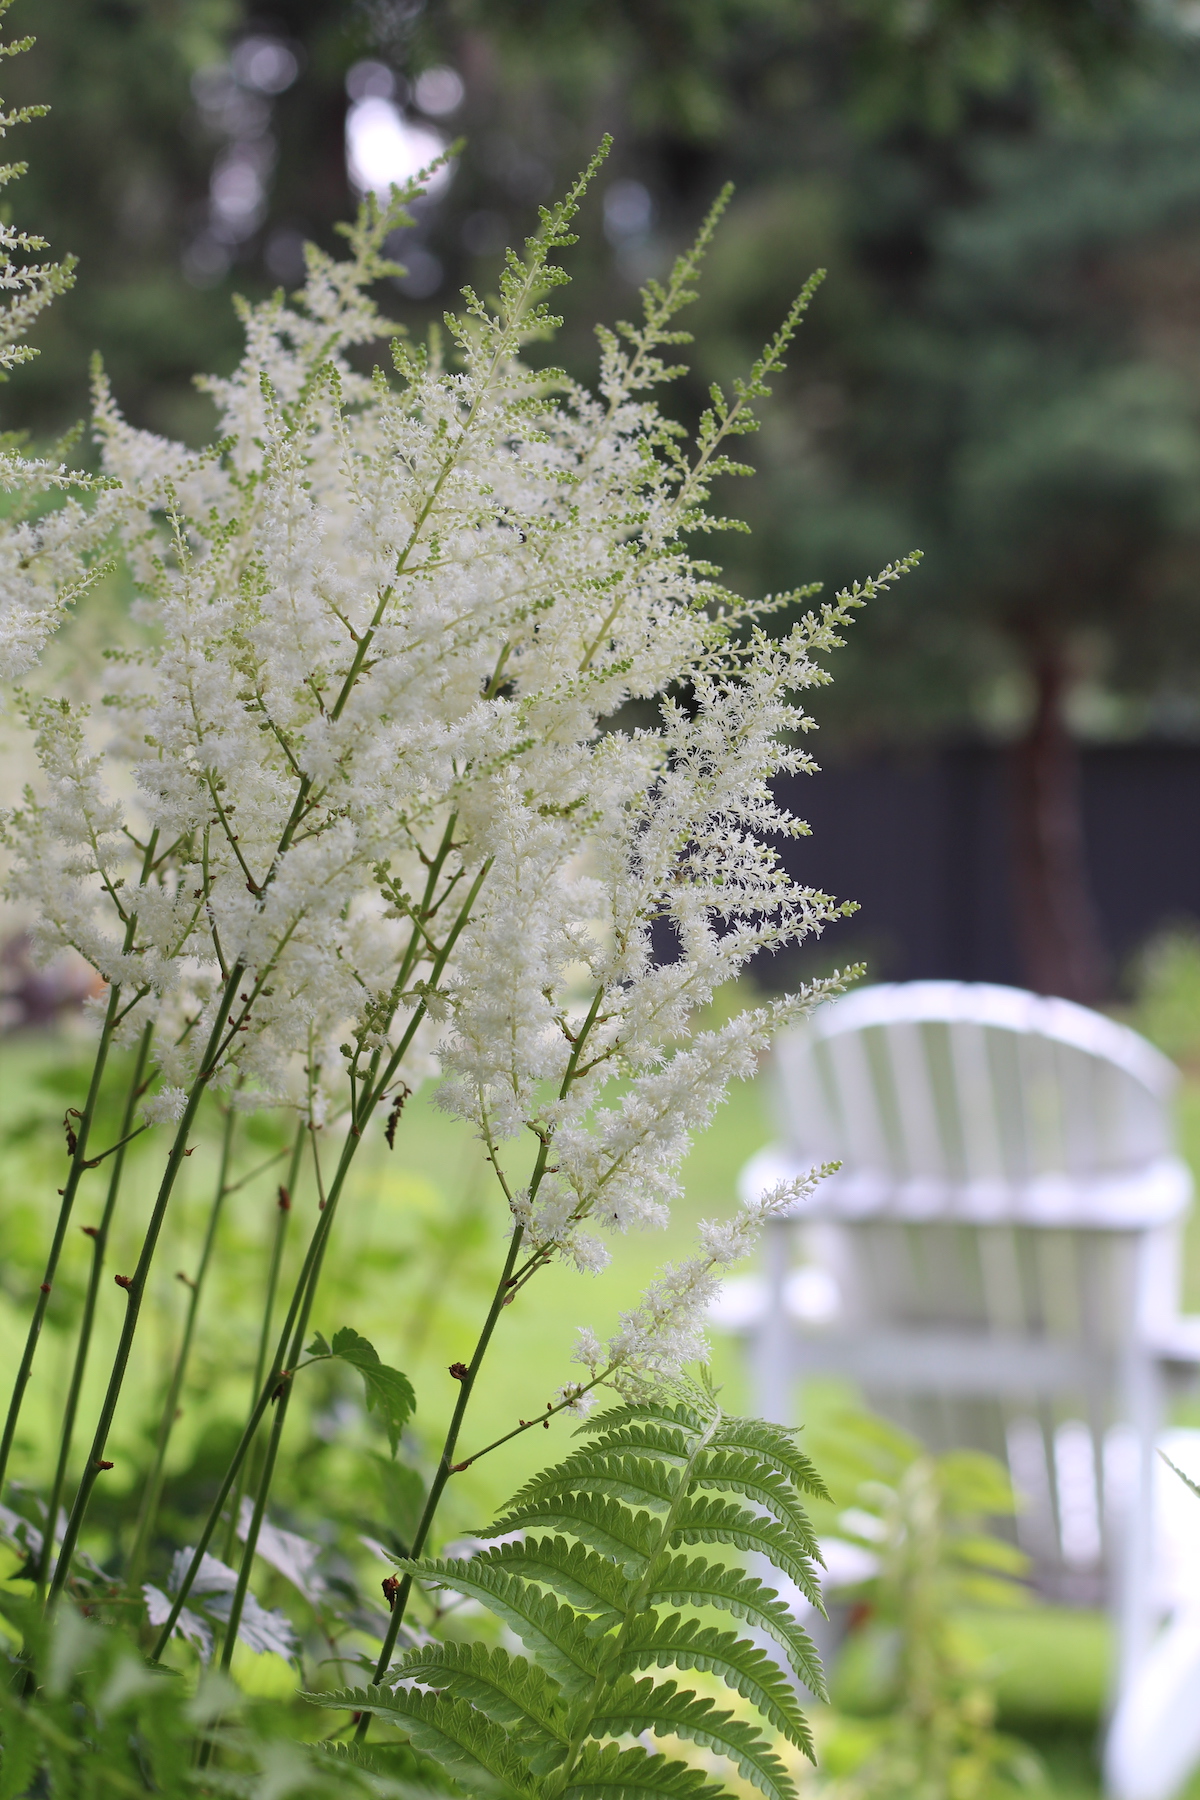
pixel 703 1519
pixel 612 1774
pixel 696 1582
pixel 645 1437
pixel 512 1692
pixel 402 1492
pixel 318 1347
pixel 388 1391
pixel 479 1752
pixel 676 1642
pixel 631 1707
pixel 555 1634
pixel 777 1444
pixel 636 1480
pixel 990 1553
pixel 592 1583
pixel 685 1418
pixel 605 1524
pixel 754 1478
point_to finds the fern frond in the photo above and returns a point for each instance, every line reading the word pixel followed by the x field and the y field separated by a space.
pixel 777 1444
pixel 668 1413
pixel 696 1582
pixel 554 1633
pixel 511 1691
pixel 636 1480
pixel 676 1642
pixel 590 1582
pixel 479 1752
pixel 702 1519
pixel 646 1437
pixel 633 1706
pixel 594 1519
pixel 594 1552
pixel 741 1472
pixel 612 1774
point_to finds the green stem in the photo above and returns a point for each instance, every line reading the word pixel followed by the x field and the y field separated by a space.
pixel 446 1464
pixel 543 1418
pixel 78 1164
pixel 152 1492
pixel 275 1386
pixel 278 1381
pixel 136 1288
pixel 82 1348
pixel 300 1331
pixel 283 1211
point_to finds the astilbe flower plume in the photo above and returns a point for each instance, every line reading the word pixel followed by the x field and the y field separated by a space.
pixel 361 800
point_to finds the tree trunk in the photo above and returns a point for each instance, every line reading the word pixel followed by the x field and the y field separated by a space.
pixel 1058 933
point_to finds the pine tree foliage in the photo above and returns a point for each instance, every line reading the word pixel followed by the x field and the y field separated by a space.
pixel 592 1575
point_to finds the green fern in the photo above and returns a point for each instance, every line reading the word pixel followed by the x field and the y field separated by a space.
pixel 593 1588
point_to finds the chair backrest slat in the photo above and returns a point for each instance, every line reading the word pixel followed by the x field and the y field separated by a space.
pixel 941 1096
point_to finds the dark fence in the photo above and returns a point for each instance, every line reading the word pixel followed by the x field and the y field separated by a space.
pixel 922 844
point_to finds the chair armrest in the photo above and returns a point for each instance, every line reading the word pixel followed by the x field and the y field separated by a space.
pixel 1178 1340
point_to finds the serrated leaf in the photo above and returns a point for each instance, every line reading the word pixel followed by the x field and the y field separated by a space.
pixel 22 1752
pixel 742 1472
pixel 590 1582
pixel 554 1633
pixel 777 1443
pixel 615 1417
pixel 611 1774
pixel 595 1519
pixel 511 1691
pixel 388 1391
pixel 645 1437
pixel 318 1347
pixel 693 1581
pixel 676 1642
pixel 703 1519
pixel 478 1751
pixel 635 1480
pixel 632 1706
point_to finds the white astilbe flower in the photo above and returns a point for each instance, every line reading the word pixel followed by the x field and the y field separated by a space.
pixel 665 1333
pixel 46 554
pixel 368 794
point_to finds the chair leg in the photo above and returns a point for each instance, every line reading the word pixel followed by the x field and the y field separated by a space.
pixel 1133 1594
pixel 771 1346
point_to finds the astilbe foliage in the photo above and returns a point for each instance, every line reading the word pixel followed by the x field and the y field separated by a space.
pixel 601 1585
pixel 100 1725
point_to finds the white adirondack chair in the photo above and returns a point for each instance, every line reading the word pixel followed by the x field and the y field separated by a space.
pixel 997 1265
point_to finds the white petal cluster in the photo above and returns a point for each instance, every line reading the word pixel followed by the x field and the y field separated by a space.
pixel 50 538
pixel 437 738
pixel 665 1333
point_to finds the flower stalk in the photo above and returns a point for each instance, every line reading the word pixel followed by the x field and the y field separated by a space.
pixel 99 1236
pixel 152 1492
